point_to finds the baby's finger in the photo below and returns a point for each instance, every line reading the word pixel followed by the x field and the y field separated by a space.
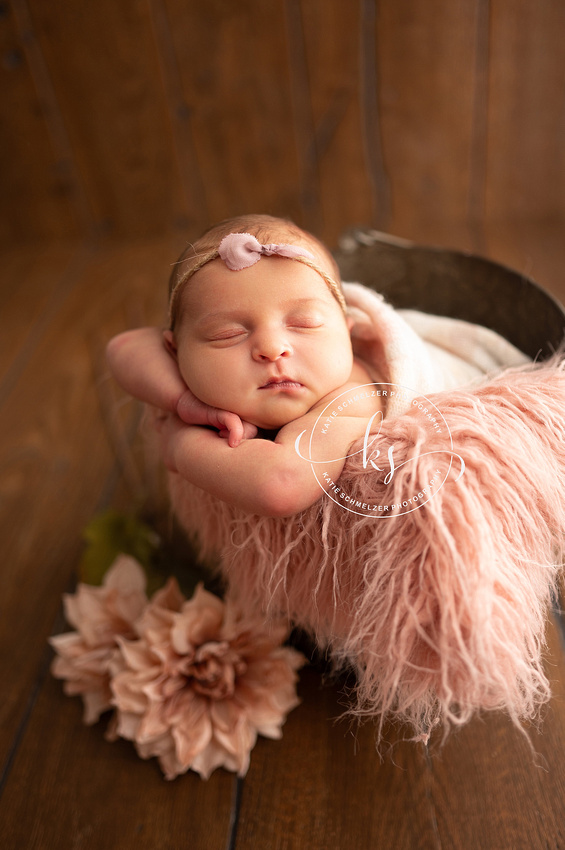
pixel 235 436
pixel 232 423
pixel 228 435
pixel 249 431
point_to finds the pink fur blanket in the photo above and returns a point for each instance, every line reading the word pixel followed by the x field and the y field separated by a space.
pixel 436 591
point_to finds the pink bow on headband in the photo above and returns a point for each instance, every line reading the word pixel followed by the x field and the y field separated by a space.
pixel 240 250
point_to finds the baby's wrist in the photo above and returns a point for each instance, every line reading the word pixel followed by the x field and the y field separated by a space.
pixel 191 410
pixel 176 402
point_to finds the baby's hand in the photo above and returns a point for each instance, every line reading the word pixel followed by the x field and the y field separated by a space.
pixel 192 411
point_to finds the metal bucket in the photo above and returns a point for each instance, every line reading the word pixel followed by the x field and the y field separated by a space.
pixel 455 284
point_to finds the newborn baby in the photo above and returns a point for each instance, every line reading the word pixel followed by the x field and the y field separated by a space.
pixel 258 346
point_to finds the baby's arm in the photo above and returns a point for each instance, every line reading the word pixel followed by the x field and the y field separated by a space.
pixel 260 476
pixel 143 367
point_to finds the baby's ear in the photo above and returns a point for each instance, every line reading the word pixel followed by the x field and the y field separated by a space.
pixel 349 320
pixel 170 344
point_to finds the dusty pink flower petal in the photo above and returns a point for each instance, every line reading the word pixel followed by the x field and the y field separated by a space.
pixel 84 680
pixel 95 702
pixel 136 655
pixel 214 669
pixel 127 724
pixel 262 713
pixel 157 616
pixel 79 658
pixel 202 617
pixel 170 660
pixel 101 615
pixel 82 676
pixel 125 582
pixel 152 726
pixel 225 714
pixel 164 750
pixel 128 690
pixel 232 730
pixel 183 702
pixel 200 683
pixel 192 732
pixel 169 765
pixel 215 756
pixel 166 687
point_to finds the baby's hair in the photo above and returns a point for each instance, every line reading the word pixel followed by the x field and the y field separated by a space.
pixel 265 228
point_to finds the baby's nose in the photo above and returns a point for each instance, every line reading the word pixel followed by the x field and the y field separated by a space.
pixel 271 346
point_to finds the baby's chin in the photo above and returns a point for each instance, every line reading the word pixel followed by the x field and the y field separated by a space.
pixel 276 419
pixel 273 423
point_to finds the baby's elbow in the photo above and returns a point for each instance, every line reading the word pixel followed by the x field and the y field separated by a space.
pixel 112 348
pixel 280 498
pixel 115 349
pixel 277 507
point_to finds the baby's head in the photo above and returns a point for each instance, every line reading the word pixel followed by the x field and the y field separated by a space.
pixel 267 230
pixel 258 321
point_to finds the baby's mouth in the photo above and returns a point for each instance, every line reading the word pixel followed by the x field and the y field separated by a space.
pixel 280 384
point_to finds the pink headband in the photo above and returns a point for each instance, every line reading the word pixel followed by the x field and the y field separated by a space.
pixel 241 250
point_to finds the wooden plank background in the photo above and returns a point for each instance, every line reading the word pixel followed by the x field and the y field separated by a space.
pixel 125 129
pixel 431 120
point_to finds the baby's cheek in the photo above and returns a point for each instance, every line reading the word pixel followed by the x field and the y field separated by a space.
pixel 200 379
pixel 211 392
pixel 339 367
pixel 196 369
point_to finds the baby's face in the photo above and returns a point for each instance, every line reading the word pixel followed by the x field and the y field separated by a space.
pixel 267 342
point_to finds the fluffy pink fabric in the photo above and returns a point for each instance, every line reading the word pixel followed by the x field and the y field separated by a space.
pixel 441 611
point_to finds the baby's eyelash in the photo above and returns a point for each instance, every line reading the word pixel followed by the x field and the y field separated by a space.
pixel 305 323
pixel 227 334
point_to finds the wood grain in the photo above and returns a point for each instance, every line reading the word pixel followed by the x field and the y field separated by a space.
pixel 19 263
pixel 135 118
pixel 335 150
pixel 324 785
pixel 103 61
pixel 36 279
pixel 70 787
pixel 55 457
pixel 526 132
pixel 490 789
pixel 39 191
pixel 233 61
pixel 426 97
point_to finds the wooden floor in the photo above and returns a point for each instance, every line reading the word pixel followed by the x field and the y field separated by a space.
pixel 322 785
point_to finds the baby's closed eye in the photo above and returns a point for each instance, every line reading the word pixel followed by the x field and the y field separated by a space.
pixel 227 335
pixel 305 321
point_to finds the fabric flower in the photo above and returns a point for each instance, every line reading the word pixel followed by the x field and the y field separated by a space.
pixel 100 615
pixel 201 683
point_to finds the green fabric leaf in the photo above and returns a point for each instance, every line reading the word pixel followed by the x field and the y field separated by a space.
pixel 111 533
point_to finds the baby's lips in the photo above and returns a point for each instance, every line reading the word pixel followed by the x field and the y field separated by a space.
pixel 279 379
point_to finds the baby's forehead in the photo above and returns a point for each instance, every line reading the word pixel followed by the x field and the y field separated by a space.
pixel 216 285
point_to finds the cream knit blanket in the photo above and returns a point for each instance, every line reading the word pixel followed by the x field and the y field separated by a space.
pixel 420 352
